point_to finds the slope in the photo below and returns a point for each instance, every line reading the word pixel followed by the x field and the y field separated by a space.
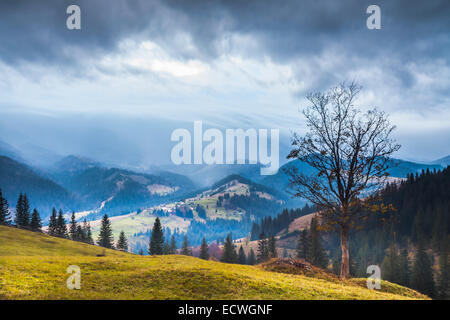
pixel 38 271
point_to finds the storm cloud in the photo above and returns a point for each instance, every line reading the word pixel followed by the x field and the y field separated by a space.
pixel 230 63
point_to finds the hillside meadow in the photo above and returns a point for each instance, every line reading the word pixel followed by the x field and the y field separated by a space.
pixel 34 265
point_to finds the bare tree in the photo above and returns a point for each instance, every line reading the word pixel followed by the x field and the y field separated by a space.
pixel 350 151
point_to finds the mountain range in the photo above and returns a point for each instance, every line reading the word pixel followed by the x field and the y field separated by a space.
pixel 82 184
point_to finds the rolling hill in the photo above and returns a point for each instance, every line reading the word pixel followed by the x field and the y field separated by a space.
pixel 43 193
pixel 33 266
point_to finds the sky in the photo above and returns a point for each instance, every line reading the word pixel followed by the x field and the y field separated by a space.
pixel 138 69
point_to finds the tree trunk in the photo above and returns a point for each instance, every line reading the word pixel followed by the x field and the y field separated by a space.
pixel 345 261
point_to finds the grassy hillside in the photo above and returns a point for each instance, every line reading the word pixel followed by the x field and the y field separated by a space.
pixel 33 266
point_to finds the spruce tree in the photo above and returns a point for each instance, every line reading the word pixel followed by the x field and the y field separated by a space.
pixel 105 237
pixel 35 224
pixel 79 234
pixel 73 227
pixel 228 252
pixel 443 286
pixel 422 273
pixel 122 244
pixel 242 259
pixel 23 212
pixel 317 254
pixel 272 247
pixel 53 224
pixel 404 268
pixel 5 216
pixel 173 245
pixel 166 247
pixel 263 249
pixel 251 258
pixel 61 228
pixel 87 232
pixel 185 250
pixel 157 239
pixel 204 250
pixel 303 245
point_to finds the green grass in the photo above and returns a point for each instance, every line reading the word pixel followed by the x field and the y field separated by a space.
pixel 33 266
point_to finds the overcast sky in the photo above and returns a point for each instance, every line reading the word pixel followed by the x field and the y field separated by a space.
pixel 136 70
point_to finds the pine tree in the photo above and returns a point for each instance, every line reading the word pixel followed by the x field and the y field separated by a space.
pixel 61 228
pixel 391 265
pixel 79 234
pixel 263 248
pixel 228 253
pixel 105 237
pixel 122 244
pixel 73 227
pixel 35 224
pixel 404 268
pixel 204 250
pixel 173 245
pixel 22 212
pixel 166 247
pixel 251 258
pixel 444 271
pixel 141 252
pixel 157 239
pixel 272 247
pixel 5 216
pixel 185 250
pixel 422 273
pixel 303 245
pixel 87 232
pixel 242 259
pixel 317 254
pixel 53 224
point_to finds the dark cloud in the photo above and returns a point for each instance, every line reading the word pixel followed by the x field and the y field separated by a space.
pixel 35 30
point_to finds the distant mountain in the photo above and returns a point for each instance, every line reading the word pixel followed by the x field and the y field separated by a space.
pixel 73 163
pixel 400 169
pixel 16 177
pixel 205 175
pixel 9 151
pixel 445 161
pixel 119 191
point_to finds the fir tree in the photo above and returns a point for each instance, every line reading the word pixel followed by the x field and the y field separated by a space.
pixel 141 252
pixel 22 212
pixel 263 248
pixel 204 250
pixel 79 234
pixel 157 239
pixel 228 253
pixel 5 216
pixel 166 247
pixel 61 227
pixel 185 250
pixel 422 273
pixel 443 286
pixel 404 268
pixel 122 244
pixel 242 259
pixel 35 224
pixel 391 265
pixel 251 258
pixel 303 245
pixel 87 232
pixel 53 224
pixel 272 247
pixel 317 254
pixel 73 227
pixel 173 245
pixel 105 237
